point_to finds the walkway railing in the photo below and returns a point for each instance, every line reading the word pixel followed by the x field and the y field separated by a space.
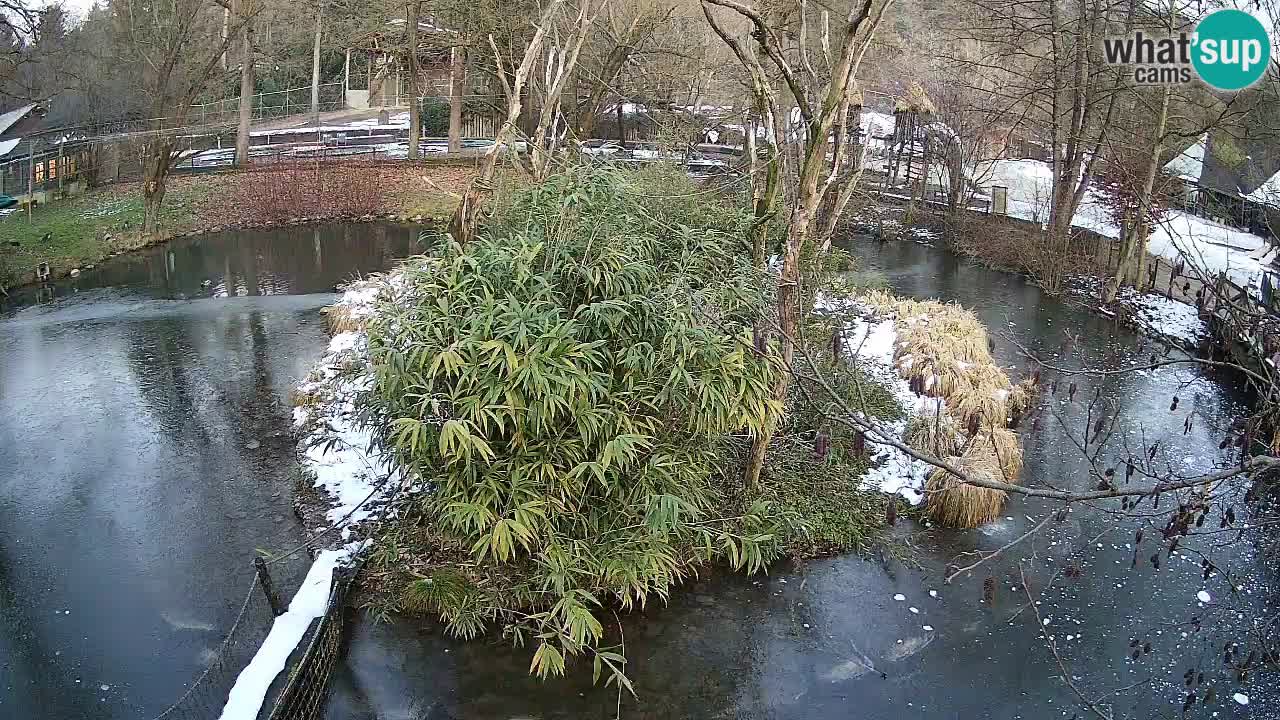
pixel 281 103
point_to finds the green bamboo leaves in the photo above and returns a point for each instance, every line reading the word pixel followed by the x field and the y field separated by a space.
pixel 567 384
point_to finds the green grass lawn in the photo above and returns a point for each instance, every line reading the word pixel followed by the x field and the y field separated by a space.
pixel 85 229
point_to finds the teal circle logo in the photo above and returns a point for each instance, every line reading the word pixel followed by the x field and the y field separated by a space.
pixel 1232 50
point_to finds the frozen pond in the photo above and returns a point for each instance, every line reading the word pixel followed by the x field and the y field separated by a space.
pixel 145 455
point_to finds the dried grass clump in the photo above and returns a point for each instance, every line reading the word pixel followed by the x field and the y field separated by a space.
pixel 956 504
pixel 981 397
pixel 1006 447
pixel 339 319
pixel 945 352
pixel 934 433
pixel 356 305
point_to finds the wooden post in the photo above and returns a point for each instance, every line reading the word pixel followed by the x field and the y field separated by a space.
pixel 268 589
pixel 62 167
pixel 31 176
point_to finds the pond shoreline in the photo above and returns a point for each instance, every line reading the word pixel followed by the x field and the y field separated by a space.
pixel 98 226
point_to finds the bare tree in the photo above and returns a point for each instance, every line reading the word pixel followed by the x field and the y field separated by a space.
pixel 176 49
pixel 1045 62
pixel 466 217
pixel 617 43
pixel 822 102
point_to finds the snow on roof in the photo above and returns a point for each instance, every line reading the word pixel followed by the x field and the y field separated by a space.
pixel 422 25
pixel 1268 193
pixel 1189 163
pixel 8 119
pixel 877 124
pixel 7 146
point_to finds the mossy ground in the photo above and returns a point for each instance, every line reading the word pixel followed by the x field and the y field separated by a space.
pixel 74 232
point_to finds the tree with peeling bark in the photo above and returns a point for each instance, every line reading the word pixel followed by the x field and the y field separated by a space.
pixel 565 47
pixel 822 103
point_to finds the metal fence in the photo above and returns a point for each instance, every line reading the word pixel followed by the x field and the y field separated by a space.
pixel 206 696
pixel 47 172
pixel 304 694
pixel 278 104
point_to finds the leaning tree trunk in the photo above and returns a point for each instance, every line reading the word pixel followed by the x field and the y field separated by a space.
pixel 466 218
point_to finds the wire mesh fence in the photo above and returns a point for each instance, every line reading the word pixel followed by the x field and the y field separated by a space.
pixel 278 104
pixel 304 694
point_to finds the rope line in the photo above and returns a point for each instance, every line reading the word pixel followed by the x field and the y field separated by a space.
pixel 248 597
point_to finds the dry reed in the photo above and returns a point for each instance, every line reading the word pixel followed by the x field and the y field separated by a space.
pixel 945 351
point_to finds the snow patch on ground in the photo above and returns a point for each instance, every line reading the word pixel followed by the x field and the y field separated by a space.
pixel 1153 312
pixel 1166 317
pixel 872 343
pixel 341 452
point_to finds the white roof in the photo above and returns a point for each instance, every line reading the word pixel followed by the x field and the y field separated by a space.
pixel 1189 163
pixel 423 24
pixel 7 146
pixel 8 119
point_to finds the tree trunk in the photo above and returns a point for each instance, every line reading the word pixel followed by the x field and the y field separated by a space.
pixel 415 110
pixel 622 125
pixel 764 196
pixel 155 172
pixel 315 65
pixel 457 84
pixel 1133 252
pixel 246 87
pixel 466 218
pixel 613 65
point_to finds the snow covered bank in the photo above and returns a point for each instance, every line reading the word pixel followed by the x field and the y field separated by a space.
pixel 1152 312
pixel 250 690
pixel 872 343
pixel 1204 244
pixel 337 448
pixel 962 404
pixel 357 479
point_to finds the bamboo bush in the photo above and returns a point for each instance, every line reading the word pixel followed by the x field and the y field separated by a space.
pixel 568 384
